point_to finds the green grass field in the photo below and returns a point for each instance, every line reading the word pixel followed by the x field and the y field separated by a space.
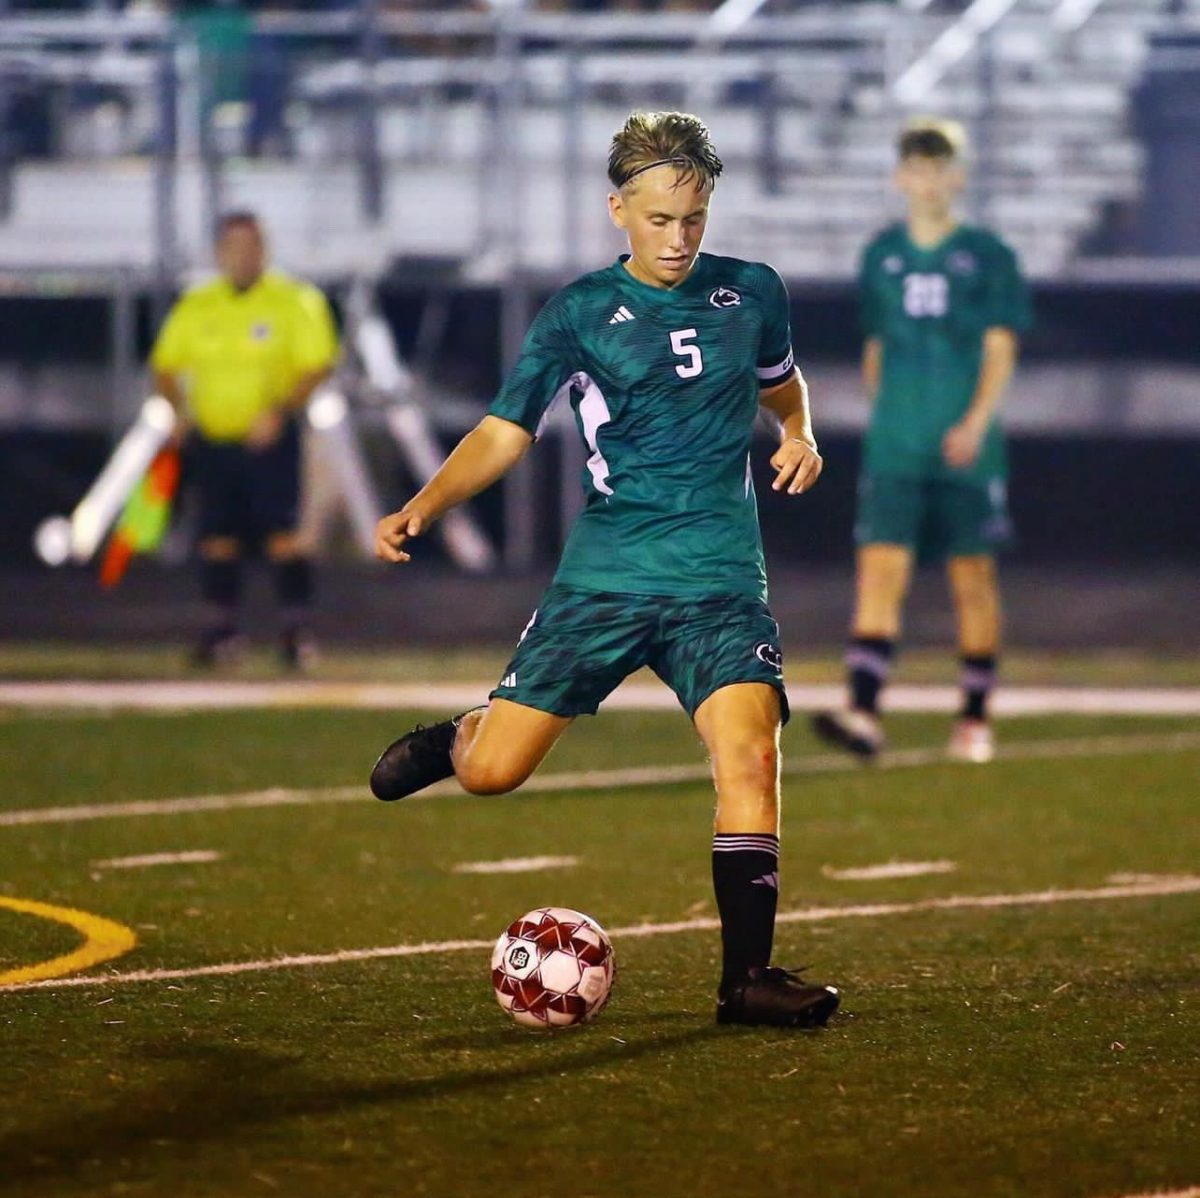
pixel 1046 1048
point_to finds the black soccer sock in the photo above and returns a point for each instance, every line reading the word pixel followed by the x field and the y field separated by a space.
pixel 746 880
pixel 868 663
pixel 978 680
pixel 221 587
pixel 294 590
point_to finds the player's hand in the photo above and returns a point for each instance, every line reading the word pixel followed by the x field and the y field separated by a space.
pixel 393 531
pixel 265 431
pixel 960 445
pixel 797 465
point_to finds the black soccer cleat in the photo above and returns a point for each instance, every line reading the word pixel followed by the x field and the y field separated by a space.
pixel 774 997
pixel 417 760
pixel 855 731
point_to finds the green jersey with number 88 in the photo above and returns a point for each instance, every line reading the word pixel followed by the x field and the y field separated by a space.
pixel 930 308
pixel 664 387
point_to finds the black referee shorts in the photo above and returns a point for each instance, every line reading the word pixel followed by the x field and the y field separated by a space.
pixel 247 494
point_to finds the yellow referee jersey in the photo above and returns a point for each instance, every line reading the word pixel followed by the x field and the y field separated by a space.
pixel 242 352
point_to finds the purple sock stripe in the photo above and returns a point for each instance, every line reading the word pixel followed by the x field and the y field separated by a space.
pixel 974 678
pixel 876 664
pixel 733 843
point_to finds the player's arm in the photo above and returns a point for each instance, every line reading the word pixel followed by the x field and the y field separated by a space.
pixel 960 446
pixel 167 359
pixel 872 365
pixel 491 449
pixel 797 463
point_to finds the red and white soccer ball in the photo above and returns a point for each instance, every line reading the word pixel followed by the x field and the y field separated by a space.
pixel 553 967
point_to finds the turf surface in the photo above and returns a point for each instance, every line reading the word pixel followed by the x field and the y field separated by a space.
pixel 1048 1050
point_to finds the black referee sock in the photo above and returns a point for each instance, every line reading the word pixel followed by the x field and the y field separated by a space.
pixel 294 589
pixel 868 663
pixel 746 880
pixel 978 681
pixel 221 587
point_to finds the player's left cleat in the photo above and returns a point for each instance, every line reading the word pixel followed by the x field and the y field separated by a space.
pixel 972 740
pixel 774 997
pixel 417 760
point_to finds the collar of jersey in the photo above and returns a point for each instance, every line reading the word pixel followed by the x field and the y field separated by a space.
pixel 932 250
pixel 692 283
pixel 231 292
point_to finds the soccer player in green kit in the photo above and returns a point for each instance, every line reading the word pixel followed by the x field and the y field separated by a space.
pixel 943 303
pixel 665 358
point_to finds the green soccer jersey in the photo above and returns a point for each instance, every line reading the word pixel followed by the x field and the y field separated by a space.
pixel 664 387
pixel 930 307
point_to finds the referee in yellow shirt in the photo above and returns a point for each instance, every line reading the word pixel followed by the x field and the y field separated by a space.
pixel 238 357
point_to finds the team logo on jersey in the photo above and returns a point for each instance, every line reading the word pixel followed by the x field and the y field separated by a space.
pixel 893 264
pixel 260 331
pixel 725 297
pixel 962 262
pixel 769 655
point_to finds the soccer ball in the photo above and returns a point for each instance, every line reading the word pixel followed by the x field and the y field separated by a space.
pixel 553 967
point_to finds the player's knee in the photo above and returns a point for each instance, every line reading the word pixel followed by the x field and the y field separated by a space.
pixel 974 582
pixel 479 775
pixel 752 763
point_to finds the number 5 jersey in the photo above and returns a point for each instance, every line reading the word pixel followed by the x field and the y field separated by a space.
pixel 663 386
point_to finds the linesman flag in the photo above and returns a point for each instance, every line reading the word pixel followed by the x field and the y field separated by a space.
pixel 145 518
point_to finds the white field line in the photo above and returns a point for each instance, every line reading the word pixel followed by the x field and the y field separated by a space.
pixel 191 857
pixel 1190 1192
pixel 630 696
pixel 1158 887
pixel 584 780
pixel 515 865
pixel 889 869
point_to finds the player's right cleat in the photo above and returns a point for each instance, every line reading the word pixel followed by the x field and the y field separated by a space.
pixel 857 732
pixel 972 740
pixel 417 760
pixel 774 997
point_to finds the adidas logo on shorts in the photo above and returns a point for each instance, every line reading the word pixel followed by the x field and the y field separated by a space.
pixel 509 679
pixel 621 315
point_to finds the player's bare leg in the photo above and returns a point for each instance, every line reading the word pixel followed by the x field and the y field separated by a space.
pixel 221 585
pixel 739 725
pixel 882 578
pixel 976 594
pixel 490 749
pixel 293 571
pixel 497 747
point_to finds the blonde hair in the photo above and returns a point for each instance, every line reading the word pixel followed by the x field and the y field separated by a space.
pixel 932 137
pixel 649 139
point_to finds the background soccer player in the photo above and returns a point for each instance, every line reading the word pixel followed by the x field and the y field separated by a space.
pixel 238 357
pixel 664 357
pixel 942 305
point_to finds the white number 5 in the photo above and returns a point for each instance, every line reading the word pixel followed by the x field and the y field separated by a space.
pixel 695 363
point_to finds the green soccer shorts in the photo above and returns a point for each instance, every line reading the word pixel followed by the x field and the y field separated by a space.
pixel 580 645
pixel 935 517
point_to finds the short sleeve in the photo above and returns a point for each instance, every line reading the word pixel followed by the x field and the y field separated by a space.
pixel 870 305
pixel 170 352
pixel 1006 295
pixel 316 346
pixel 542 371
pixel 775 358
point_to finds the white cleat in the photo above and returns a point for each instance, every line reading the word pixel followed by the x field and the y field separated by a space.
pixel 972 740
pixel 858 732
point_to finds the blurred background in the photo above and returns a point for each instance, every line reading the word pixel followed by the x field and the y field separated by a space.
pixel 439 170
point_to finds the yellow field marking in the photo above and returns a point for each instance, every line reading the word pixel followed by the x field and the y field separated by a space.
pixel 103 939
